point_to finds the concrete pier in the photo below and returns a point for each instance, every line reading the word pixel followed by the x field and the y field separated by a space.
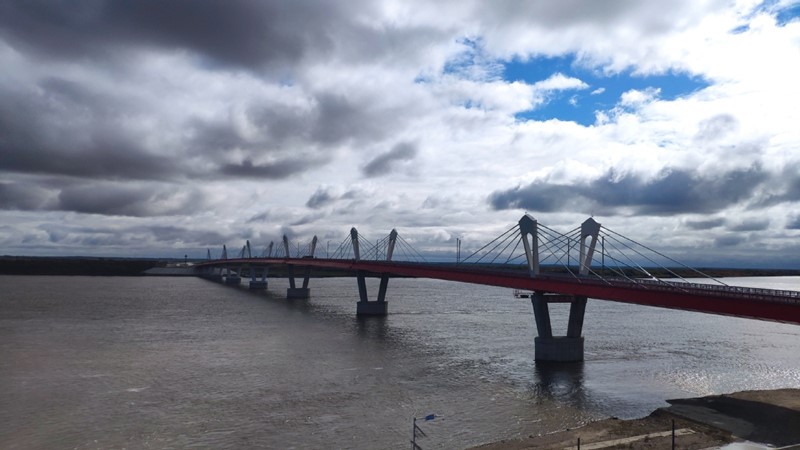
pixel 559 349
pixel 258 285
pixel 567 348
pixel 233 280
pixel 298 293
pixel 364 307
pixel 294 292
pixel 372 308
pixel 213 277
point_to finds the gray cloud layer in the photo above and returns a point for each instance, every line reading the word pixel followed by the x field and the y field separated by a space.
pixel 385 162
pixel 237 32
pixel 674 191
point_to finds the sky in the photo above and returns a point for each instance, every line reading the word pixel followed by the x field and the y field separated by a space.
pixel 167 127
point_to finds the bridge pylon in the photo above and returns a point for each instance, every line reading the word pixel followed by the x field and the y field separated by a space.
pixel 211 273
pixel 294 292
pixel 567 348
pixel 231 277
pixel 378 307
pixel 256 283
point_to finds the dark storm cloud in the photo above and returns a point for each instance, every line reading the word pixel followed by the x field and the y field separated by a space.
pixel 673 191
pixel 272 170
pixel 61 128
pixel 270 35
pixel 705 224
pixel 236 32
pixel 23 196
pixel 383 164
pixel 793 224
pixel 138 201
pixel 66 124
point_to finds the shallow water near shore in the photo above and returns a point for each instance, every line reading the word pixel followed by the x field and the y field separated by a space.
pixel 179 362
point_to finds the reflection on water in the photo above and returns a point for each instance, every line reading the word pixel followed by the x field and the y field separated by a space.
pixel 181 362
pixel 561 381
pixel 373 328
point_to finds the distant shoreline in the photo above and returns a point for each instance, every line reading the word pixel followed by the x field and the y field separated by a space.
pixel 91 266
pixel 105 266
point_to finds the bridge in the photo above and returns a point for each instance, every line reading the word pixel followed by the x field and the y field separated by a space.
pixel 589 262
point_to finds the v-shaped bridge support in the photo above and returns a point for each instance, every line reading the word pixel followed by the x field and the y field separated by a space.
pixel 378 307
pixel 548 347
pixel 293 291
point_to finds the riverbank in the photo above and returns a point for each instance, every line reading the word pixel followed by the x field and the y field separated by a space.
pixel 76 265
pixel 768 417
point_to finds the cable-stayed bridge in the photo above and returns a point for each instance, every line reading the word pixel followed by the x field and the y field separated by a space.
pixel 588 262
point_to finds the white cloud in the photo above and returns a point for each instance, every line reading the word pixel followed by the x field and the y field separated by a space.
pixel 560 82
pixel 635 97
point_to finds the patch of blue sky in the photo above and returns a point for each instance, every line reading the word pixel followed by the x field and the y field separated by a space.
pixel 473 63
pixel 603 93
pixel 788 14
pixel 741 29
pixel 784 12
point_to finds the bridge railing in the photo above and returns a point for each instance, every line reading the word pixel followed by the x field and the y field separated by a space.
pixel 772 295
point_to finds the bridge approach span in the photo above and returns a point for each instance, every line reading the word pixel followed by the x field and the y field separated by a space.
pixel 761 304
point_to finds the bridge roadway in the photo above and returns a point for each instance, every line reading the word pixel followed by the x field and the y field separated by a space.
pixel 762 304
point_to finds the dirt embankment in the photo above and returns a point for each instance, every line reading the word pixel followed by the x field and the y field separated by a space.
pixel 768 417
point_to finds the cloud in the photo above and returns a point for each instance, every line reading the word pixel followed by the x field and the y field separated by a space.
pixel 59 126
pixel 635 97
pixel 560 82
pixel 170 234
pixel 672 191
pixel 716 127
pixel 729 241
pixel 384 163
pixel 24 197
pixel 138 200
pixel 270 170
pixel 321 197
pixel 706 224
pixel 241 33
pixel 750 225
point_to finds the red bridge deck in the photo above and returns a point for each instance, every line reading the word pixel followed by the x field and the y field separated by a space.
pixel 762 304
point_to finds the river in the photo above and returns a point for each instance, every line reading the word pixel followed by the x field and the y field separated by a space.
pixel 115 362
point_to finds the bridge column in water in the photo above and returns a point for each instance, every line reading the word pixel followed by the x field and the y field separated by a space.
pixel 293 291
pixel 256 284
pixel 548 347
pixel 379 307
pixel 230 276
pixel 211 273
